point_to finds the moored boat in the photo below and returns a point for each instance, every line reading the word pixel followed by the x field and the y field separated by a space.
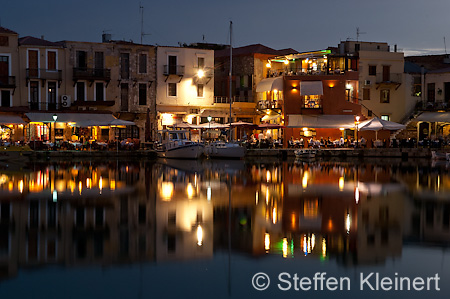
pixel 305 153
pixel 174 144
pixel 221 149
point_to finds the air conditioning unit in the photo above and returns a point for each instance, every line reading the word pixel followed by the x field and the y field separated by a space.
pixel 367 82
pixel 65 101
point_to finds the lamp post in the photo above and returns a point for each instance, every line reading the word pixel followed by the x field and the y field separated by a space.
pixel 356 124
pixel 55 117
pixel 209 121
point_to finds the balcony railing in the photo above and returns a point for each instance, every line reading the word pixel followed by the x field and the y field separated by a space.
pixel 174 70
pixel 226 100
pixel 8 81
pixel 270 105
pixel 303 72
pixel 82 73
pixel 44 74
pixel 394 78
pixel 44 106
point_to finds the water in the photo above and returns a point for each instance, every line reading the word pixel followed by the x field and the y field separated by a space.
pixel 140 229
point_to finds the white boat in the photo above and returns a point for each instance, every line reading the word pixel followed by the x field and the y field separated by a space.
pixel 305 153
pixel 440 156
pixel 221 149
pixel 174 144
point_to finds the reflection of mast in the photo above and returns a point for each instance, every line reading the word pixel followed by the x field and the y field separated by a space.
pixel 229 235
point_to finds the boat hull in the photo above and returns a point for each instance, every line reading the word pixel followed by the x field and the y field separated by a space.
pixel 193 151
pixel 225 151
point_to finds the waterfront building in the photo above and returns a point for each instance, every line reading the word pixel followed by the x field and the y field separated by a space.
pixel 185 85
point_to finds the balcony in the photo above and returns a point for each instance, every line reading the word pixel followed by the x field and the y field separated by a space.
pixel 270 104
pixel 236 99
pixel 389 80
pixel 177 70
pixel 305 72
pixel 44 74
pixel 7 81
pixel 44 106
pixel 91 74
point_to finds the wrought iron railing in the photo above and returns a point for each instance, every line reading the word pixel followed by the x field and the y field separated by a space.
pixel 82 73
pixel 7 81
pixel 44 74
pixel 226 100
pixel 44 106
pixel 173 69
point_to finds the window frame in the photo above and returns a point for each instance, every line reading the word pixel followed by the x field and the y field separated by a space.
pixel 169 90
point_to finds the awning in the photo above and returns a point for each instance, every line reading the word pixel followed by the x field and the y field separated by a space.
pixel 11 120
pixel 270 117
pixel 434 117
pixel 321 121
pixel 79 119
pixel 308 88
pixel 270 84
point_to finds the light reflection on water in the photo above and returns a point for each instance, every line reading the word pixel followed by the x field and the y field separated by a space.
pixel 155 222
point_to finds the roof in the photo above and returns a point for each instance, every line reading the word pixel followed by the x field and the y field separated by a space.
pixel 411 67
pixel 253 49
pixel 33 41
pixel 431 62
pixel 6 30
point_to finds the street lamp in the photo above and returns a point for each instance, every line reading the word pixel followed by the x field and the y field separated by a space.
pixel 356 124
pixel 209 121
pixel 55 117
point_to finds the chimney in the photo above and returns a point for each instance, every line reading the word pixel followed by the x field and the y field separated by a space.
pixel 395 48
pixel 106 37
pixel 42 37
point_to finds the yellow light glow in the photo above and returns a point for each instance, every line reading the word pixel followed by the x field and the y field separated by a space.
pixel 201 73
pixel 357 118
pixel 267 196
pixel 357 195
pixel 199 235
pixel 88 183
pixel 341 183
pixel 166 190
pixel 305 245
pixel 305 129
pixel 268 176
pixel 268 65
pixel 267 242
pixel 21 186
pixel 331 85
pixel 324 247
pixel 274 215
pixel 286 62
pixel 348 86
pixel 257 197
pixel 166 119
pixel 275 90
pixel 190 190
pixel 100 184
pixel 285 247
pixel 342 129
pixel 305 179
pixel 112 185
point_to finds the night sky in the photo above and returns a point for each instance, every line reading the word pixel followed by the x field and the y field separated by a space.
pixel 417 27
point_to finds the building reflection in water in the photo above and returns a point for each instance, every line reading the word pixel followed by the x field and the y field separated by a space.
pixel 103 213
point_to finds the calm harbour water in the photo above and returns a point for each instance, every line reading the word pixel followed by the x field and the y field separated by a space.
pixel 139 229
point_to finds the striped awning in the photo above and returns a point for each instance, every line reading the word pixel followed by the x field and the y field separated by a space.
pixel 270 84
pixel 308 88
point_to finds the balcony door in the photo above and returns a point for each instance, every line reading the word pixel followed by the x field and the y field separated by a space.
pixel 4 70
pixel 33 65
pixel 51 60
pixel 386 73
pixel 99 64
pixel 172 65
pixel 81 60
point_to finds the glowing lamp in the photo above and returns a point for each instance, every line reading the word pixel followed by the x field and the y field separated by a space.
pixel 201 73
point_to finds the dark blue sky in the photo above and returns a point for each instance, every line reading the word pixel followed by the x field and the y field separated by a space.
pixel 415 25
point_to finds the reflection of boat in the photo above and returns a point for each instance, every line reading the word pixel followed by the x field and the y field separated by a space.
pixel 440 156
pixel 305 153
pixel 221 149
pixel 174 144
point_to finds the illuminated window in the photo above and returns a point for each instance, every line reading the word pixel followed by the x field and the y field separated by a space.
pixel 385 117
pixel 312 102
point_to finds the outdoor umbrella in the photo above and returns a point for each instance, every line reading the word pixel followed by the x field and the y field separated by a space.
pixel 242 123
pixel 376 124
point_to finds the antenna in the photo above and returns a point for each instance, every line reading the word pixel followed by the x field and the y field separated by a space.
pixel 445 46
pixel 141 10
pixel 358 33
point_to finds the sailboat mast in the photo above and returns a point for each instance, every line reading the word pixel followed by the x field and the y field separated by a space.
pixel 231 67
